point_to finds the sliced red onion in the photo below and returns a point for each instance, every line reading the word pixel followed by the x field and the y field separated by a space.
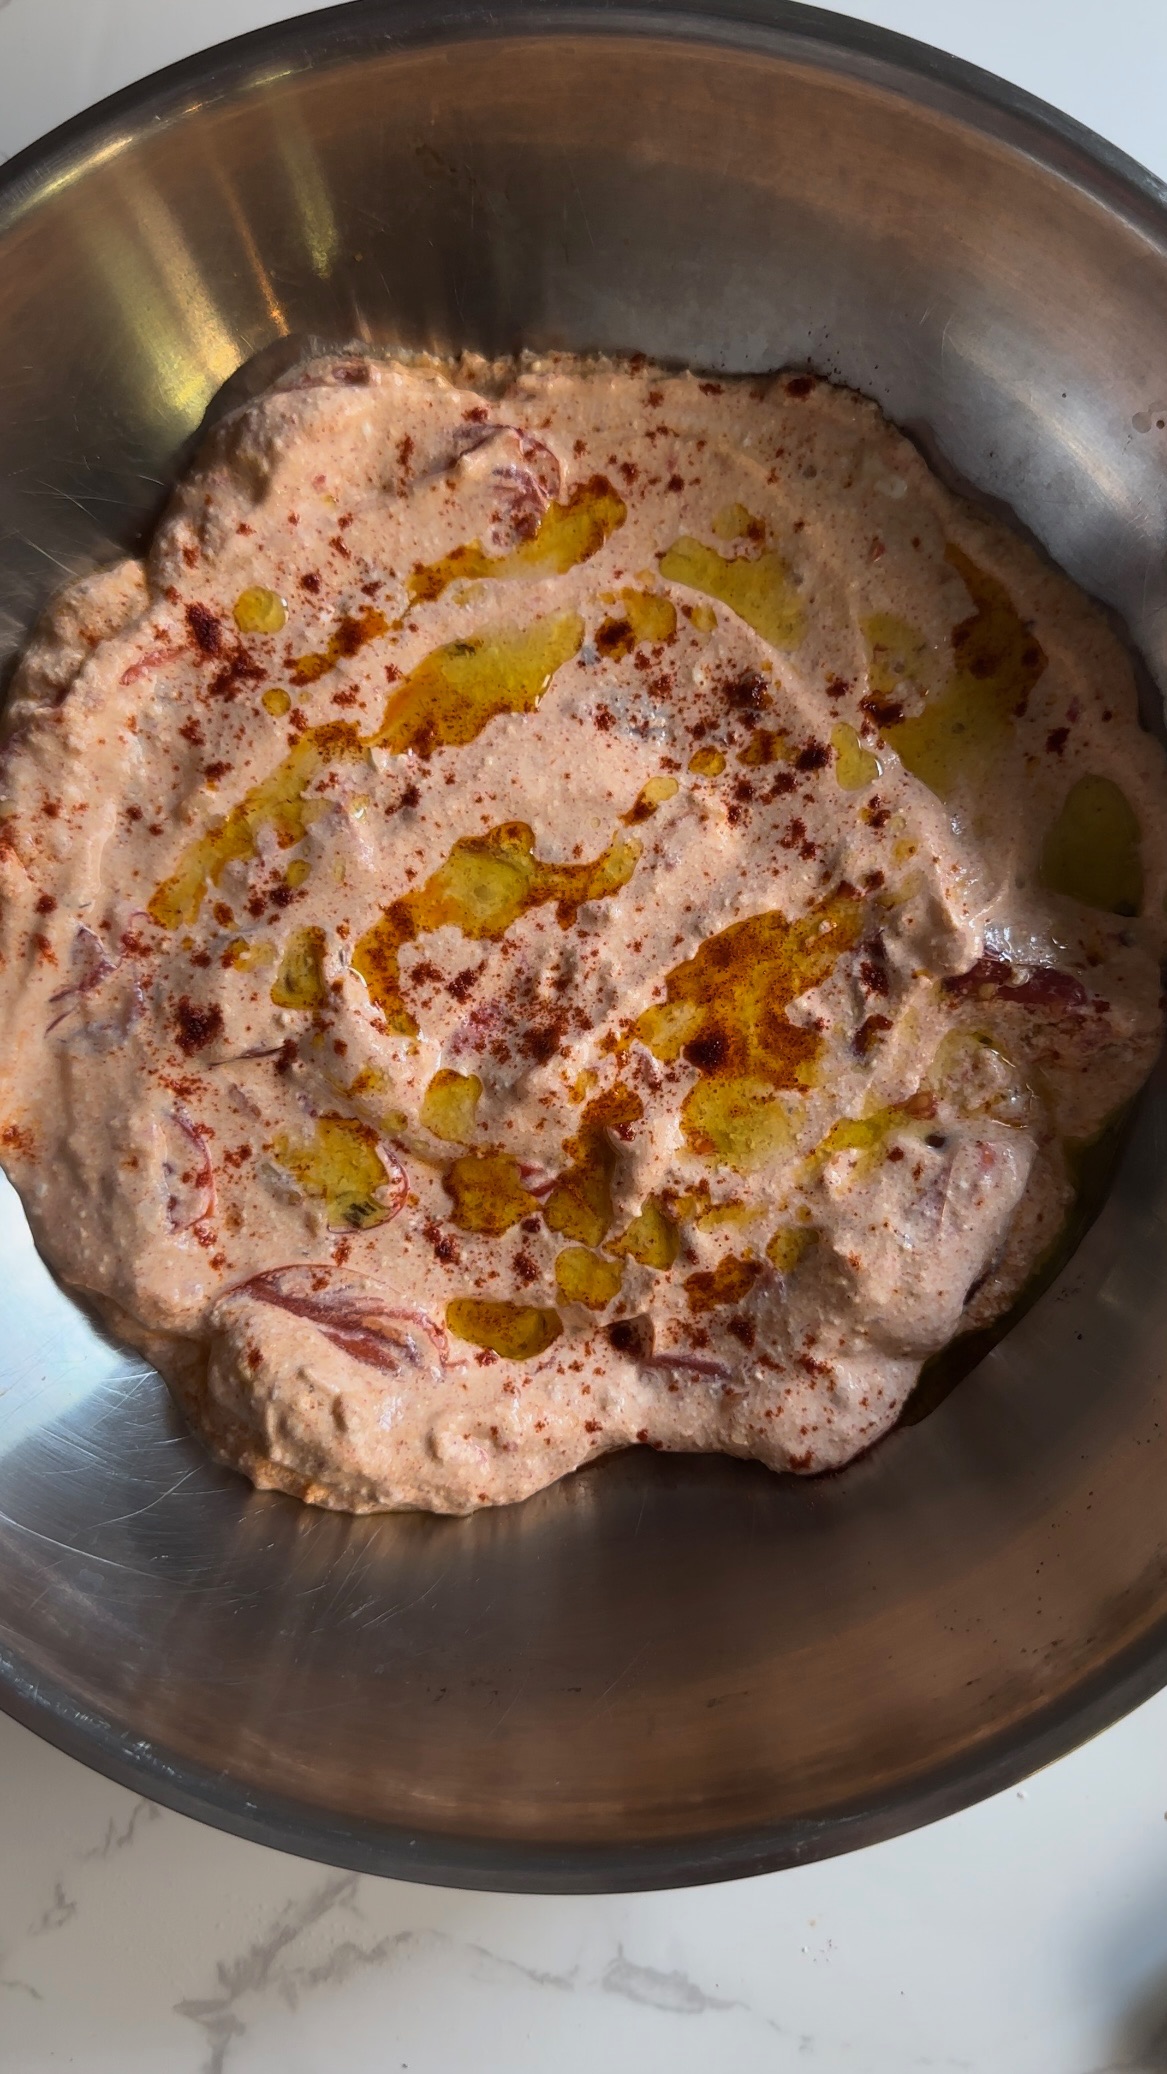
pixel 90 962
pixel 154 660
pixel 353 1316
pixel 138 914
pixel 1042 986
pixel 92 965
pixel 536 1180
pixel 542 464
pixel 525 486
pixel 396 1185
pixel 691 1364
pixel 257 1051
pixel 188 1173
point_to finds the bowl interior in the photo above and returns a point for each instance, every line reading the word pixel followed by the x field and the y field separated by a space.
pixel 661 1670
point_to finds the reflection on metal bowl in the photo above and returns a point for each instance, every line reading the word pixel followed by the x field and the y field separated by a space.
pixel 663 1670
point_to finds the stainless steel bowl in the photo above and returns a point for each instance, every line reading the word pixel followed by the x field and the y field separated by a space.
pixel 663 1670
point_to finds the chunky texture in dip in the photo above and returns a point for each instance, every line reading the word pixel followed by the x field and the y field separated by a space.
pixel 565 906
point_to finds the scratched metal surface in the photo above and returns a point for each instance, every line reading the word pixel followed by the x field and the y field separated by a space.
pixel 663 1670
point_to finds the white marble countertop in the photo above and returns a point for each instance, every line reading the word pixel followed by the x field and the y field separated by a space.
pixel 1028 1936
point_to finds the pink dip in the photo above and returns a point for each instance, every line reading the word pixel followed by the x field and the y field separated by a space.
pixel 563 907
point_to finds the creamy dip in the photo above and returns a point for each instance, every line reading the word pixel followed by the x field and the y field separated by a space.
pixel 565 905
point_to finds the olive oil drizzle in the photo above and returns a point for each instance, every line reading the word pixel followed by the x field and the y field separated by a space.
pixel 447 700
pixel 515 1331
pixel 566 535
pixel 724 1013
pixel 485 884
pixel 341 1166
pixel 967 721
pixel 758 587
